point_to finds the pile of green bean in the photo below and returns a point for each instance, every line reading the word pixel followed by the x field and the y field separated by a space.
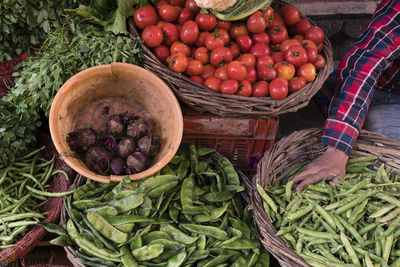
pixel 352 224
pixel 23 185
pixel 189 214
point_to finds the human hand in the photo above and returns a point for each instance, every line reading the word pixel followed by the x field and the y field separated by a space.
pixel 330 165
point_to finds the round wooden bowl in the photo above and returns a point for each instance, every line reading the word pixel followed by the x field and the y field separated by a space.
pixel 117 80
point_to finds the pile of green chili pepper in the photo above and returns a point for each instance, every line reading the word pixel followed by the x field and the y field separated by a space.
pixel 189 214
pixel 23 185
pixel 356 223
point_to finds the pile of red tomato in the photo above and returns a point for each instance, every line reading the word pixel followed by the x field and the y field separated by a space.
pixel 274 53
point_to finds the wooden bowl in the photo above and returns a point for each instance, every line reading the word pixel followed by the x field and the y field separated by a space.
pixel 117 80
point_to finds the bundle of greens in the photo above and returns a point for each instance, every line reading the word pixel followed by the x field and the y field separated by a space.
pixel 25 23
pixel 65 52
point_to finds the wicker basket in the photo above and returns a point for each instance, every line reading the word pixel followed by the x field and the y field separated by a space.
pixel 297 148
pixel 71 251
pixel 204 99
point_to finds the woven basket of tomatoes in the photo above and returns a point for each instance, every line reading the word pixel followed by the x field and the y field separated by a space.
pixel 270 62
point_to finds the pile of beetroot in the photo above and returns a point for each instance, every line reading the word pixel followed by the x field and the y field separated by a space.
pixel 126 146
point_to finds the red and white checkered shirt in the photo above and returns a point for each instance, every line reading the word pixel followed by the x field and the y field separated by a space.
pixel 373 62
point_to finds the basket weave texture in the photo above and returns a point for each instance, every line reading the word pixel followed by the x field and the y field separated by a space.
pixel 203 99
pixel 72 252
pixel 53 206
pixel 297 148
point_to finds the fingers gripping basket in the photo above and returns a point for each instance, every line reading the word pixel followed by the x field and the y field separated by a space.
pixel 204 99
pixel 72 251
pixel 53 207
pixel 297 148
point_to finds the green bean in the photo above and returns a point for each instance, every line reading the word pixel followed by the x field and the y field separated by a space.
pixel 351 229
pixel 357 211
pixel 127 257
pixel 349 248
pixel 355 187
pixel 317 234
pixel 382 211
pixel 390 216
pixel 325 215
pixel 267 199
pixel 300 213
pixel 367 228
pixel 352 203
pixel 48 194
pixel 288 188
pixel 388 199
pixel 392 227
pixel 387 248
pixel 206 230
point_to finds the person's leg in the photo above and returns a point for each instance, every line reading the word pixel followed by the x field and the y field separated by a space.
pixel 384 115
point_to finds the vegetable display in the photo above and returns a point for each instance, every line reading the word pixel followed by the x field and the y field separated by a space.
pixel 271 53
pixel 352 224
pixel 23 187
pixel 190 213
pixel 25 23
pixel 126 145
pixel 65 52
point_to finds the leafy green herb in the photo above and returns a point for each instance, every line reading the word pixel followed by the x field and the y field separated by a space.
pixel 65 52
pixel 109 13
pixel 25 23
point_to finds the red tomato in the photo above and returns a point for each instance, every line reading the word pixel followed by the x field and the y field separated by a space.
pixel 189 32
pixel 152 36
pixel 312 54
pixel 168 13
pixel 245 88
pixel 185 15
pixel 195 67
pixel 245 43
pixel 284 70
pixel 320 47
pixel 268 13
pixel 171 33
pixel 266 73
pixel 180 3
pixel 303 26
pixel 296 83
pixel 315 34
pixel 220 54
pixel 161 3
pixel 229 87
pixel 275 47
pixel 201 40
pixel 177 47
pixel 276 19
pixel 277 34
pixel 291 15
pixel 247 60
pixel 224 35
pixel 221 73
pixel 320 62
pixel 178 62
pixel 251 74
pixel 298 37
pixel 235 50
pixel 178 9
pixel 236 71
pixel 145 16
pixel 308 43
pixel 288 43
pixel 278 88
pixel 260 89
pixel 238 30
pixel 265 61
pixel 161 52
pixel 260 49
pixel 224 25
pixel 256 22
pixel 207 22
pixel 296 55
pixel 208 71
pixel 160 23
pixel 213 83
pixel 307 71
pixel 278 56
pixel 213 41
pixel 197 79
pixel 201 54
pixel 191 4
pixel 261 38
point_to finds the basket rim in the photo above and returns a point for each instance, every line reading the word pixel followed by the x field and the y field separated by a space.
pixel 204 99
pixel 308 142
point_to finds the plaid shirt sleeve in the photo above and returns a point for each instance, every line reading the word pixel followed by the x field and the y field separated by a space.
pixel 358 73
